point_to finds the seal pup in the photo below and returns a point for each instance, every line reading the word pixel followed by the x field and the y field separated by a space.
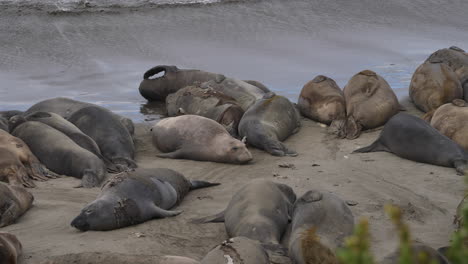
pixel 323 101
pixel 198 138
pixel 434 84
pixel 331 221
pixel 10 249
pixel 66 107
pixel 260 210
pixel 370 103
pixel 134 197
pixel 269 121
pixel 193 100
pixel 14 202
pixel 60 154
pixel 18 165
pixel 113 139
pixel 412 138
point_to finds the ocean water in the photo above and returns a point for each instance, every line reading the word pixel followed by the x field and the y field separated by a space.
pixel 98 50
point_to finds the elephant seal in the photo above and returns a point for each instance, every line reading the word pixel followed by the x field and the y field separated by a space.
pixel 135 197
pixel 244 93
pixel 61 124
pixel 237 250
pixel 322 100
pixel 114 141
pixel 418 250
pixel 159 88
pixel 451 120
pixel 412 138
pixel 258 84
pixel 4 124
pixel 177 260
pixel 66 107
pixel 370 103
pixel 269 121
pixel 14 202
pixel 18 165
pixel 434 84
pixel 193 100
pixel 60 154
pixel 260 210
pixel 330 219
pixel 10 249
pixel 197 138
pixel 457 59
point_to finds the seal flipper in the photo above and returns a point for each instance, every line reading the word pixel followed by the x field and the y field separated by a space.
pixel 276 148
pixel 170 155
pixel 7 216
pixel 158 212
pixel 353 128
pixel 202 184
pixel 217 218
pixel 461 166
pixel 374 147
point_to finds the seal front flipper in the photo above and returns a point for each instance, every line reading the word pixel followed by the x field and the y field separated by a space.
pixel 170 155
pixel 461 166
pixel 202 184
pixel 374 147
pixel 217 218
pixel 158 212
pixel 353 128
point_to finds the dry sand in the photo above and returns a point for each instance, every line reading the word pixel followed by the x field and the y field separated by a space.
pixel 428 194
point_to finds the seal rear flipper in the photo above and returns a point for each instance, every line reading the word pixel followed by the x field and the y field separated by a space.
pixel 170 155
pixel 161 213
pixel 217 218
pixel 353 128
pixel 202 184
pixel 374 147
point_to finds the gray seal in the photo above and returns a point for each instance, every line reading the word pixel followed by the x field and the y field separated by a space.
pixel 269 121
pixel 113 139
pixel 412 138
pixel 60 154
pixel 198 138
pixel 260 210
pixel 134 197
pixel 320 223
pixel 66 107
pixel 14 202
pixel 10 248
pixel 193 100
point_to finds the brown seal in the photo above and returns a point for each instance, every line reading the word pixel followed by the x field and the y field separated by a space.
pixel 370 102
pixel 434 84
pixel 322 100
pixel 18 165
pixel 452 121
pixel 10 249
pixel 14 202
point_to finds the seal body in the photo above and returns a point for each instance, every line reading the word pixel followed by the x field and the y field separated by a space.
pixel 10 249
pixel 135 197
pixel 65 107
pixel 268 122
pixel 61 124
pixel 457 59
pixel 18 165
pixel 198 138
pixel 260 210
pixel 61 154
pixel 237 250
pixel 113 139
pixel 434 84
pixel 452 121
pixel 14 202
pixel 4 124
pixel 370 102
pixel 329 217
pixel 412 138
pixel 244 93
pixel 323 101
pixel 208 103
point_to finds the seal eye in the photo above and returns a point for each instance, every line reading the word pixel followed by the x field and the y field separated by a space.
pixel 235 148
pixel 89 211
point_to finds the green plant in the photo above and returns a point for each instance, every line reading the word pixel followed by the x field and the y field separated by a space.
pixel 356 249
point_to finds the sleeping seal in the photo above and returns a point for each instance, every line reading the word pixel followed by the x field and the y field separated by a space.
pixel 331 221
pixel 60 154
pixel 14 202
pixel 10 249
pixel 198 138
pixel 412 138
pixel 268 122
pixel 134 197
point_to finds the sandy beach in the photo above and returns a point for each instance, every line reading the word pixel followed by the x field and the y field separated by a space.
pixel 427 194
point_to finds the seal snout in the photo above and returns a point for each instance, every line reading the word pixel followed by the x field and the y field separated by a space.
pixel 80 223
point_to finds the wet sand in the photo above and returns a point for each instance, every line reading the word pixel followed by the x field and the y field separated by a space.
pixel 427 194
